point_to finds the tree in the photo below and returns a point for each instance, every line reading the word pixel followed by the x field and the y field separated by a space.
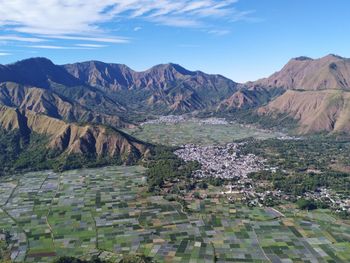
pixel 306 204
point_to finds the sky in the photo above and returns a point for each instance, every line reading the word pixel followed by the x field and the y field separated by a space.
pixel 241 39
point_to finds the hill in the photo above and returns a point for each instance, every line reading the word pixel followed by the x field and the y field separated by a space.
pixel 315 111
pixel 53 139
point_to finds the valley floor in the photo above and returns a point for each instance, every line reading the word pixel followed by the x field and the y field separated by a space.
pixel 107 211
pixel 178 130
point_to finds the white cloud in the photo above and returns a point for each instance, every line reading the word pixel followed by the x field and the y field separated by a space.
pixel 21 39
pixel 91 45
pixel 56 47
pixel 219 32
pixel 138 28
pixel 115 40
pixel 5 54
pixel 84 19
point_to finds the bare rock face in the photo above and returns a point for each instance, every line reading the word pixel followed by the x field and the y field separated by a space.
pixel 70 138
pixel 330 72
pixel 315 111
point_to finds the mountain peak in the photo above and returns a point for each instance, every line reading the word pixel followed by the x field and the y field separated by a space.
pixel 302 58
pixel 333 56
pixel 171 67
pixel 311 74
pixel 34 61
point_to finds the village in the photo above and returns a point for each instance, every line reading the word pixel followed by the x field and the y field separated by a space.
pixel 175 119
pixel 228 163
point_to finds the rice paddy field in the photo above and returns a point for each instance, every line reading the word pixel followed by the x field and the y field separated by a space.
pixel 197 133
pixel 108 211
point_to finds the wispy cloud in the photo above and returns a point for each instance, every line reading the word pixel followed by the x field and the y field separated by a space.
pixel 56 47
pixel 20 39
pixel 115 40
pixel 91 45
pixel 85 19
pixel 219 32
pixel 5 54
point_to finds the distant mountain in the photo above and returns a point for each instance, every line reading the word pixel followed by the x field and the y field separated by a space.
pixel 54 105
pixel 303 73
pixel 115 95
pixel 65 139
pixel 39 85
pixel 38 72
pixel 166 88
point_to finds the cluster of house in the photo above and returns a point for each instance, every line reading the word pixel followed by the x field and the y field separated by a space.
pixel 227 162
pixel 224 162
pixel 336 201
pixel 170 119
pixel 174 119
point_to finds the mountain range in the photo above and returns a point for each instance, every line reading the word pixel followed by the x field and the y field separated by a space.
pixel 73 104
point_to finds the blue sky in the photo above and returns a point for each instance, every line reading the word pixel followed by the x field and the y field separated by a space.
pixel 241 39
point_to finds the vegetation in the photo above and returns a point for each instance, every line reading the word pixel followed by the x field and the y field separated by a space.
pixel 306 204
pixel 125 259
pixel 304 165
pixel 165 165
pixel 19 153
pixel 77 260
pixel 250 116
pixel 136 259
pixel 5 246
pixel 109 205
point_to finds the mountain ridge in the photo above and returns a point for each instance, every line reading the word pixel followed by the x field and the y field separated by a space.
pixel 329 72
pixel 72 138
pixel 109 93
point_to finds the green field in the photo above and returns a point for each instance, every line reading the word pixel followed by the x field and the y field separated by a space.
pixel 84 212
pixel 197 133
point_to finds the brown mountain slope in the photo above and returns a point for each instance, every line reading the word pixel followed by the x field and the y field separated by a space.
pixel 167 87
pixel 75 139
pixel 52 104
pixel 248 98
pixel 330 72
pixel 315 111
pixel 43 74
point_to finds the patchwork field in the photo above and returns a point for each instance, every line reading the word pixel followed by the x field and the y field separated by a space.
pixel 197 133
pixel 86 212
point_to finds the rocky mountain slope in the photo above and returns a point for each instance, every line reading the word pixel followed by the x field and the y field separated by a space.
pixel 167 87
pixel 113 94
pixel 54 105
pixel 248 98
pixel 317 94
pixel 52 80
pixel 315 111
pixel 303 73
pixel 69 138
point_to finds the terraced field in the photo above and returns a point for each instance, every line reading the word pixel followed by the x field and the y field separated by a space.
pixel 94 211
pixel 197 133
